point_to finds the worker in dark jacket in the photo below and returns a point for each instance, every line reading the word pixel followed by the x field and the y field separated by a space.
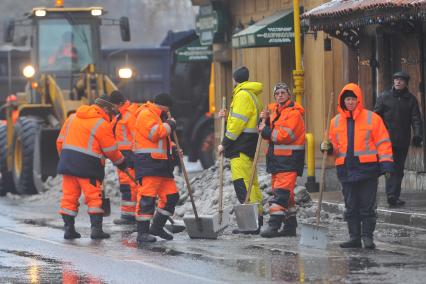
pixel 361 145
pixel 400 112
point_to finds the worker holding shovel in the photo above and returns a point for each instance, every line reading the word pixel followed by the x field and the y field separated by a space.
pixel 285 131
pixel 240 141
pixel 360 142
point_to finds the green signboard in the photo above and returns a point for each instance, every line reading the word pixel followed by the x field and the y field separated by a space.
pixel 275 30
pixel 194 52
pixel 209 25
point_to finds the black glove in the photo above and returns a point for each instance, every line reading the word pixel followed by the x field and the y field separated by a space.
pixel 266 132
pixel 122 166
pixel 417 141
pixel 172 124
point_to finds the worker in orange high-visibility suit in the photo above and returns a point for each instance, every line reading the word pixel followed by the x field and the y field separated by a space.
pixel 12 104
pixel 285 131
pixel 154 168
pixel 84 142
pixel 362 147
pixel 124 125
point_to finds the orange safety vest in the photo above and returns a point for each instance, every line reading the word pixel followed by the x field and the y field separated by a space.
pixel 151 134
pixel 125 125
pixel 85 140
pixel 371 139
pixel 288 128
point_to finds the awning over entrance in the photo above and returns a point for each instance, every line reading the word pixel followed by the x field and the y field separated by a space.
pixel 271 31
pixel 350 14
pixel 194 52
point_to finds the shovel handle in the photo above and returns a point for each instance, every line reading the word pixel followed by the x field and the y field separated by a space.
pixel 132 178
pixel 324 158
pixel 222 134
pixel 253 168
pixel 185 174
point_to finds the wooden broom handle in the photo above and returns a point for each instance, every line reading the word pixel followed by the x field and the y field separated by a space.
pixel 222 134
pixel 324 157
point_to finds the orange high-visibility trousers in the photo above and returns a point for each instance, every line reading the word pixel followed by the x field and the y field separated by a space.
pixel 71 190
pixel 283 189
pixel 150 188
pixel 129 192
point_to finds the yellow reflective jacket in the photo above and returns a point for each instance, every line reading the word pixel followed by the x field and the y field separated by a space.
pixel 241 126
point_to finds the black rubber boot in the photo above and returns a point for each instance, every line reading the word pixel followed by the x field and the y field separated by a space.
pixel 354 227
pixel 143 233
pixel 368 227
pixel 290 225
pixel 274 224
pixel 157 227
pixel 255 232
pixel 96 226
pixel 70 232
pixel 125 220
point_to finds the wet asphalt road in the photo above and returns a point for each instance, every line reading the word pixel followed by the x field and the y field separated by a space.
pixel 32 250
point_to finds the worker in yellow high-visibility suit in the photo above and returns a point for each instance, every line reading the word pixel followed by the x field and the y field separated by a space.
pixel 239 143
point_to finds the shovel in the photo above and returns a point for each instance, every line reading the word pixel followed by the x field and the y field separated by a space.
pixel 222 134
pixel 173 227
pixel 247 214
pixel 197 226
pixel 314 235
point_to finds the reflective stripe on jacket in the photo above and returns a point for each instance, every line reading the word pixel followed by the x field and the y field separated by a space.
pixel 124 126
pixel 241 126
pixel 152 145
pixel 85 140
pixel 367 133
pixel 286 151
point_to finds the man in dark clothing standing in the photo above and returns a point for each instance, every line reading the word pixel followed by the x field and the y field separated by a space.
pixel 400 111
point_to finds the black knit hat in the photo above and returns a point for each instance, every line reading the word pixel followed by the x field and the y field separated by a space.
pixel 346 94
pixel 401 75
pixel 117 97
pixel 241 74
pixel 104 101
pixel 163 99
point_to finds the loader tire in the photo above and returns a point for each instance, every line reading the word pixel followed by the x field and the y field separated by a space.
pixel 26 129
pixel 206 149
pixel 6 181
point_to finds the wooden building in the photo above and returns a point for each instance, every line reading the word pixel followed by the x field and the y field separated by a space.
pixel 343 41
pixel 383 37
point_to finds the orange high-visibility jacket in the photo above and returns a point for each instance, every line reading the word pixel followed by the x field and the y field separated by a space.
pixel 286 152
pixel 85 140
pixel 124 126
pixel 152 145
pixel 371 138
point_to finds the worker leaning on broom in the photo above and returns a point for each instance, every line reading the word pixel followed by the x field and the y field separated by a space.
pixel 239 143
pixel 360 142
pixel 284 128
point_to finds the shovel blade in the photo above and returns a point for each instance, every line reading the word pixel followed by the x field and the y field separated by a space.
pixel 314 236
pixel 247 216
pixel 210 226
pixel 177 226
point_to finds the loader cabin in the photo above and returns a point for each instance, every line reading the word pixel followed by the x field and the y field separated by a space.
pixel 65 40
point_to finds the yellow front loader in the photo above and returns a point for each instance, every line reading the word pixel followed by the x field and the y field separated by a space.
pixel 64 73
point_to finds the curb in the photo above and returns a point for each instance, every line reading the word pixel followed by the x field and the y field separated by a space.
pixel 411 219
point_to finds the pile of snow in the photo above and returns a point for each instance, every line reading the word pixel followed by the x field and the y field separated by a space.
pixel 205 189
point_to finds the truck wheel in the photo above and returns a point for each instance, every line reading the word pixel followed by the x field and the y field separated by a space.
pixel 206 149
pixel 26 129
pixel 6 181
